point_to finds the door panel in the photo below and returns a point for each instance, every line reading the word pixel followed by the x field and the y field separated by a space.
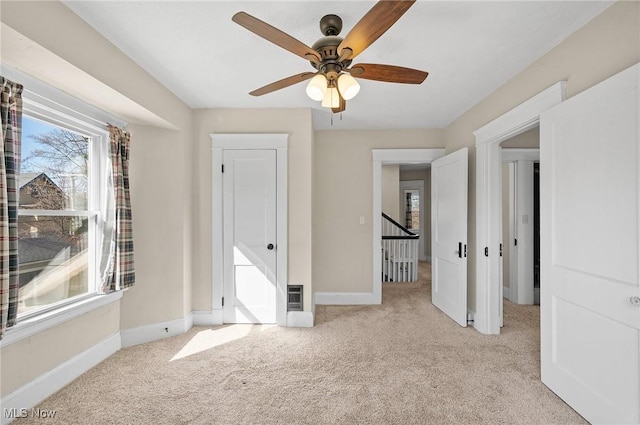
pixel 249 183
pixel 589 182
pixel 449 234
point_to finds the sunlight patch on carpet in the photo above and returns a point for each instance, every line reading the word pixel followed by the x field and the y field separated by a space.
pixel 210 338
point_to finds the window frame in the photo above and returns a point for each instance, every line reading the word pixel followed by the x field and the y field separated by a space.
pixel 97 142
pixel 48 104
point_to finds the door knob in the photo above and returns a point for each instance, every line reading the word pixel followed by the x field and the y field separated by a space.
pixel 270 246
pixel 635 301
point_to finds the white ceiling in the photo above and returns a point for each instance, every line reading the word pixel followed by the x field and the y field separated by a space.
pixel 469 49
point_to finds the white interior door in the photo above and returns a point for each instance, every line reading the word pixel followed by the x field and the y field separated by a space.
pixel 249 185
pixel 589 181
pixel 449 234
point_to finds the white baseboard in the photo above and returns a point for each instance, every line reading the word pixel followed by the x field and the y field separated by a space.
pixel 156 331
pixel 344 298
pixel 299 319
pixel 45 385
pixel 207 318
pixel 506 292
pixel 296 319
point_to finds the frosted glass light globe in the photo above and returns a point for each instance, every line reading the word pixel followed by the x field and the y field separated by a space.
pixel 317 87
pixel 348 86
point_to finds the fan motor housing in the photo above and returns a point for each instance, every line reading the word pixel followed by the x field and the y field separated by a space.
pixel 327 48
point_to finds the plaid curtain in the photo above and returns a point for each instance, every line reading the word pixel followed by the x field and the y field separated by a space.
pixel 9 170
pixel 121 273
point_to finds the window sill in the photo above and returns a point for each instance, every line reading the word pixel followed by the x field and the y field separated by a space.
pixel 33 325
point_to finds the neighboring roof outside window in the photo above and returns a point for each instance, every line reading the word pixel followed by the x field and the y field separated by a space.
pixel 32 188
pixel 40 249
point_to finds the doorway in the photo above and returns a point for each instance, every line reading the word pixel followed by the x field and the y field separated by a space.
pixel 519 215
pixel 488 314
pixel 389 157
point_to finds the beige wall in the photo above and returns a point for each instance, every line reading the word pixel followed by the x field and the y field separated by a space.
pixel 298 124
pixel 25 360
pixel 390 186
pixel 528 139
pixel 343 183
pixel 161 220
pixel 79 60
pixel 605 46
pixel 424 175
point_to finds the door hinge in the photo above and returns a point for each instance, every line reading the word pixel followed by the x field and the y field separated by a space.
pixel 465 250
pixel 501 250
pixel 486 251
pixel 223 168
pixel 222 301
pixel 515 242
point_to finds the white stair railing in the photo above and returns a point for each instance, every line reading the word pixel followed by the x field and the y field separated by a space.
pixel 399 252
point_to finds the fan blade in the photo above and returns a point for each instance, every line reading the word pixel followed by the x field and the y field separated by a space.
pixel 389 73
pixel 376 22
pixel 285 82
pixel 275 36
pixel 342 107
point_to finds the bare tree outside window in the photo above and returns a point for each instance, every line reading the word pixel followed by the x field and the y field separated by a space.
pixel 64 157
pixel 60 165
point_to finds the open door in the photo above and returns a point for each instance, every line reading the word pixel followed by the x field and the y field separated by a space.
pixel 589 199
pixel 449 234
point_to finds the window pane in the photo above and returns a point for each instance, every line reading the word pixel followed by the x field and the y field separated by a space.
pixel 412 209
pixel 415 210
pixel 54 168
pixel 53 260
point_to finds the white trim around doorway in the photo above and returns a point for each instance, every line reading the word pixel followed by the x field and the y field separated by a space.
pixel 489 200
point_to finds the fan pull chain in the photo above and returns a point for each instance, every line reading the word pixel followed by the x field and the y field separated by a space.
pixel 332 114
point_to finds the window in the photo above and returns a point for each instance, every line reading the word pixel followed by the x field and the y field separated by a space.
pixel 63 194
pixel 412 209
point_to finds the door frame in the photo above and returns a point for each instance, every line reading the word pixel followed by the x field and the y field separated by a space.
pixel 272 141
pixel 419 186
pixel 489 200
pixel 389 157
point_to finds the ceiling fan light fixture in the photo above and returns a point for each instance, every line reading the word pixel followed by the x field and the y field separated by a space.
pixel 331 98
pixel 317 87
pixel 348 86
pixel 331 56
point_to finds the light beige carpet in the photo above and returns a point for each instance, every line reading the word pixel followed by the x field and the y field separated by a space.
pixel 403 362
